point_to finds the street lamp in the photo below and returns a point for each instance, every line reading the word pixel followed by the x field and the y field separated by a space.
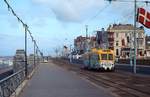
pixel 70 54
pixel 34 51
pixel 25 45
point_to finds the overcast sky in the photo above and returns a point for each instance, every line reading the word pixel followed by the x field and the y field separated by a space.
pixel 55 23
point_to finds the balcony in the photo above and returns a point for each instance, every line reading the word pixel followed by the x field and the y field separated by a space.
pixel 110 39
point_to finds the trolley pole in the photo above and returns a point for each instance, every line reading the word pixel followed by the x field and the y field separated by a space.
pixel 26 64
pixel 86 44
pixel 135 39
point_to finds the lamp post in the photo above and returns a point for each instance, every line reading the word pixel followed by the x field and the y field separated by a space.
pixel 37 55
pixel 26 64
pixel 34 51
pixel 131 50
pixel 70 54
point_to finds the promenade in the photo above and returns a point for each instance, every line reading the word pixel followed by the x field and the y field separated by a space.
pixel 50 80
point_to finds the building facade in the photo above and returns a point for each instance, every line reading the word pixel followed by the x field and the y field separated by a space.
pixel 147 46
pixel 105 39
pixel 65 52
pixel 79 44
pixel 111 40
pixel 84 44
pixel 124 40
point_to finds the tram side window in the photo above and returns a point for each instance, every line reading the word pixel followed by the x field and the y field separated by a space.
pixel 104 56
pixel 110 57
pixel 97 57
pixel 94 57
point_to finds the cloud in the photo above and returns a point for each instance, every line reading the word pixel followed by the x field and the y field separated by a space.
pixel 65 12
pixel 80 10
pixel 71 10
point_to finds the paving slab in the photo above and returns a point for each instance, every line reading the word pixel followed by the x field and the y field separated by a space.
pixel 52 81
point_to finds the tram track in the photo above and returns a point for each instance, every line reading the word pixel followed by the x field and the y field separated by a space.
pixel 126 91
pixel 116 82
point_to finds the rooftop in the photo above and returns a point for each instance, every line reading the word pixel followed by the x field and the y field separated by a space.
pixel 123 26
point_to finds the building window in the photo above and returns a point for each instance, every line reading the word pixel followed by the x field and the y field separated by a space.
pixel 117 43
pixel 126 34
pixel 128 39
pixel 140 42
pixel 123 42
pixel 117 34
pixel 139 35
pixel 117 52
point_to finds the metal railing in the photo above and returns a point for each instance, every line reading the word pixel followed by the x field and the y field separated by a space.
pixel 9 84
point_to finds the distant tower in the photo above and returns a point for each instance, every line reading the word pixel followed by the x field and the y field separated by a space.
pixel 86 31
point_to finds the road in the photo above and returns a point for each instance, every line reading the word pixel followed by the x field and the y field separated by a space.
pixel 50 80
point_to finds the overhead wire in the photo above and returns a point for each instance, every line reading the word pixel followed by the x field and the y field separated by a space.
pixel 101 10
pixel 98 13
pixel 105 7
pixel 129 15
pixel 145 1
pixel 25 26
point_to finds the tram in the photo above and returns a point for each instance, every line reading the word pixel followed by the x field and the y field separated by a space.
pixel 99 59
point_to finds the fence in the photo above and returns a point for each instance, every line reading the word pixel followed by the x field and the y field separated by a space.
pixel 9 84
